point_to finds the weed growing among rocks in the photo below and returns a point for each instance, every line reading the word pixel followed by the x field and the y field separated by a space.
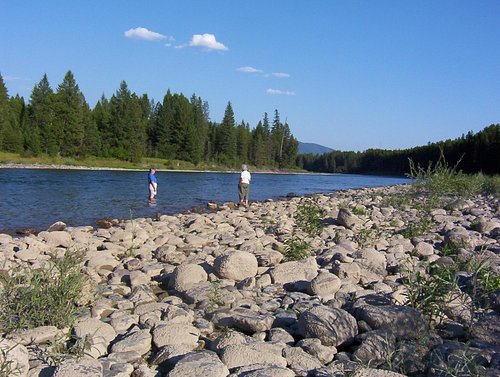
pixel 296 248
pixel 43 296
pixel 308 217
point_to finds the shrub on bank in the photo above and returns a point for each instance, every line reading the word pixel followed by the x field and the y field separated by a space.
pixel 45 296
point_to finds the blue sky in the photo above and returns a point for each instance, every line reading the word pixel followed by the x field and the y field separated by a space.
pixel 349 75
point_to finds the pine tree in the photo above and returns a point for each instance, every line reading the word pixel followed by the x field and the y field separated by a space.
pixel 91 139
pixel 69 108
pixel 259 146
pixel 243 142
pixel 199 130
pixel 101 116
pixel 11 139
pixel 227 137
pixel 127 124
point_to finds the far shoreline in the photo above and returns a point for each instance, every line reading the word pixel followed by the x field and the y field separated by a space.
pixel 103 168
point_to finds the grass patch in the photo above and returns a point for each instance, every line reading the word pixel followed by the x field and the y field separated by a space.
pixel 432 288
pixel 44 296
pixel 443 184
pixel 114 163
pixel 417 228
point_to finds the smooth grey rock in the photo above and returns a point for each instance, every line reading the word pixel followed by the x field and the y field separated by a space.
pixel 289 272
pixel 300 361
pixel 237 265
pixel 372 260
pixel 259 370
pixel 347 219
pixel 334 327
pixel 38 335
pixel 84 367
pixel 138 341
pixel 251 321
pixel 176 334
pixel 379 313
pixel 200 364
pixel 424 249
pixel 325 285
pixel 239 355
pixel 314 347
pixel 187 275
pixel 376 348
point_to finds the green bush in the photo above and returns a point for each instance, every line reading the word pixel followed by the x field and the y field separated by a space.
pixel 308 216
pixel 43 296
pixel 296 249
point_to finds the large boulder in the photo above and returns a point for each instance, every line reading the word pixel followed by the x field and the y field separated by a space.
pixel 250 321
pixel 203 364
pixel 347 219
pixel 237 265
pixel 98 333
pixel 325 285
pixel 372 260
pixel 138 341
pixel 239 355
pixel 291 272
pixel 84 367
pixel 300 361
pixel 175 334
pixel 334 327
pixel 188 275
pixel 379 313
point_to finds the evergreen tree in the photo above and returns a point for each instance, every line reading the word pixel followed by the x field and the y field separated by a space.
pixel 127 125
pixel 41 118
pixel 243 142
pixel 227 137
pixel 11 139
pixel 92 139
pixel 101 117
pixel 198 131
pixel 181 136
pixel 69 108
pixel 259 146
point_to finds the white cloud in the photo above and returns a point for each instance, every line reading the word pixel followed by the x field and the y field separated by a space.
pixel 206 42
pixel 248 69
pixel 281 75
pixel 280 92
pixel 145 34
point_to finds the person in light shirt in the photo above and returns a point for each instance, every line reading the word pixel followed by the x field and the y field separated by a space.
pixel 245 179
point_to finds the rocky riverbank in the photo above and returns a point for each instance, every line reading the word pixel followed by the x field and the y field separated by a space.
pixel 213 294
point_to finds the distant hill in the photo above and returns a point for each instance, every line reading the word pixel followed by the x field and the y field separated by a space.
pixel 305 148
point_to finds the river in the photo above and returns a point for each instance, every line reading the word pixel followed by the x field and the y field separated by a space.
pixel 38 197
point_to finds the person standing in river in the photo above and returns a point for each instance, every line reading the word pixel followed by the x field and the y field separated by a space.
pixel 152 184
pixel 245 179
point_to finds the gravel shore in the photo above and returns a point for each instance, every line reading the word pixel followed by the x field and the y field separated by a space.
pixel 212 294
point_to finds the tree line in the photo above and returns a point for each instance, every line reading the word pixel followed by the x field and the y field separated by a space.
pixel 128 127
pixel 471 153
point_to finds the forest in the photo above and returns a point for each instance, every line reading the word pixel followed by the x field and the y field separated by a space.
pixel 471 153
pixel 129 127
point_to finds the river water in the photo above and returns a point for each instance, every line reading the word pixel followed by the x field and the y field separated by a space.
pixel 38 197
